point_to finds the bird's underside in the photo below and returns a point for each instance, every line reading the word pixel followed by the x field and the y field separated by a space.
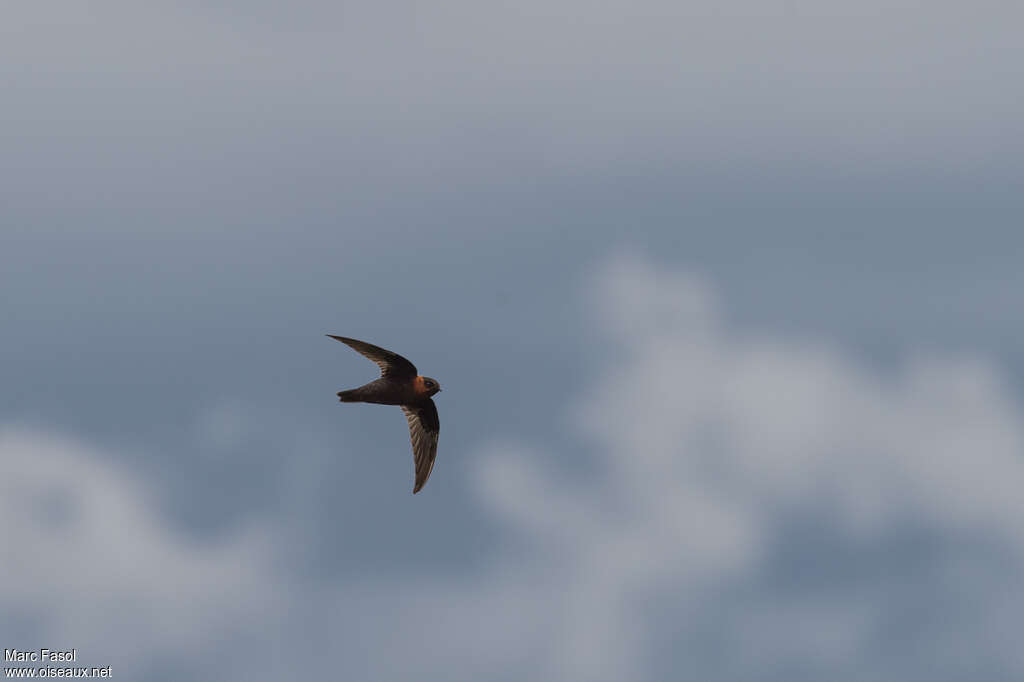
pixel 400 384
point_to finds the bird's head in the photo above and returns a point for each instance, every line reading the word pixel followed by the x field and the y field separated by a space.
pixel 428 386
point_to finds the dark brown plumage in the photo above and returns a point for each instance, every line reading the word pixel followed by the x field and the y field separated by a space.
pixel 400 384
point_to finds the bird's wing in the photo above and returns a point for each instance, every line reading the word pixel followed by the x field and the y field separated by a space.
pixel 392 365
pixel 424 427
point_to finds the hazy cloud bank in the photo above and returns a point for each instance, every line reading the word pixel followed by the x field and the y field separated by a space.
pixel 753 507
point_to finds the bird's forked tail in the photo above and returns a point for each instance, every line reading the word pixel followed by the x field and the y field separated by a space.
pixel 351 396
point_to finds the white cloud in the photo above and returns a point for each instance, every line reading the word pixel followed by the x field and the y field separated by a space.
pixel 89 560
pixel 715 446
pixel 757 508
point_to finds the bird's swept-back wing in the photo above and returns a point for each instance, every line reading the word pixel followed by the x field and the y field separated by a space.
pixel 424 427
pixel 392 365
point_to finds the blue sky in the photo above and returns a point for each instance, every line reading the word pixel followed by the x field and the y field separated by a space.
pixel 723 298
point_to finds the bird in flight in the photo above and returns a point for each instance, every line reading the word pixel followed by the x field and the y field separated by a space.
pixel 400 384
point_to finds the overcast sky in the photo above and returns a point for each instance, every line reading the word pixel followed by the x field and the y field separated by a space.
pixel 724 298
